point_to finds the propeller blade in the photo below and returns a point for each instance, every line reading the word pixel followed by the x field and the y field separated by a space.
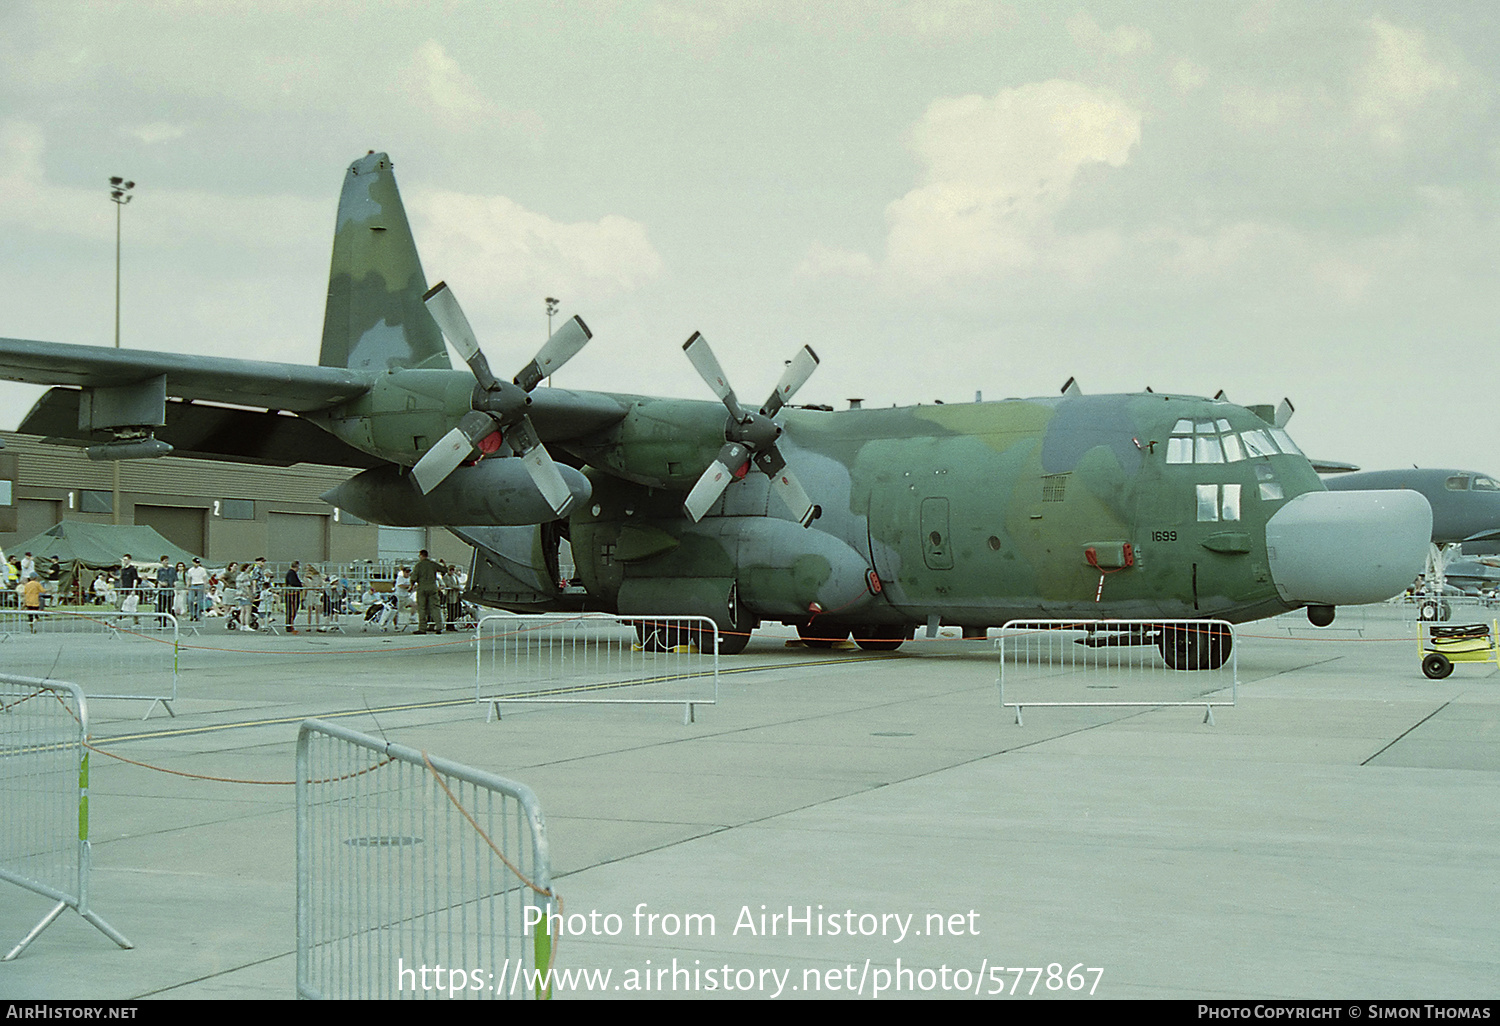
pixel 544 473
pixel 702 358
pixel 443 306
pixel 793 378
pixel 441 460
pixel 792 493
pixel 548 480
pixel 1284 411
pixel 451 450
pixel 558 350
pixel 715 479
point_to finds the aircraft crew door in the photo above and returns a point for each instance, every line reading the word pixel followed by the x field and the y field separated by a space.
pixel 911 541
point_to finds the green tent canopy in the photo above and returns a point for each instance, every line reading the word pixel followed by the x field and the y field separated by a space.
pixel 100 545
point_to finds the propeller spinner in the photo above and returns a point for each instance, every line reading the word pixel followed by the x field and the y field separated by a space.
pixel 498 414
pixel 749 437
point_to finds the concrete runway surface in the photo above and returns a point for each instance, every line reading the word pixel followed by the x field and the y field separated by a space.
pixel 1333 835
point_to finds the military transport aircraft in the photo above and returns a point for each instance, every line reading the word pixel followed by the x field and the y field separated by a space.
pixel 1465 521
pixel 1465 503
pixel 863 522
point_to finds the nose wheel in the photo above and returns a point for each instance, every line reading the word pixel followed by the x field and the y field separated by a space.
pixel 1195 648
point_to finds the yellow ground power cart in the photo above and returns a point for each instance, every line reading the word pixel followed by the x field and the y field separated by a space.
pixel 1442 646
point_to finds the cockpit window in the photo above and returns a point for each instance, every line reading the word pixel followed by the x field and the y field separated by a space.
pixel 1206 450
pixel 1458 483
pixel 1485 484
pixel 1285 441
pixel 1215 441
pixel 1258 443
pixel 1231 502
pixel 1208 503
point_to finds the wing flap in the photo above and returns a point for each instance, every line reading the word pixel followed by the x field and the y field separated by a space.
pixel 201 431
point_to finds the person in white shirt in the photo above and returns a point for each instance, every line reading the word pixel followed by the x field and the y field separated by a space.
pixel 197 578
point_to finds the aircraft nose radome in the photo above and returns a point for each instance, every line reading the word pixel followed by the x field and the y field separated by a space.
pixel 1344 548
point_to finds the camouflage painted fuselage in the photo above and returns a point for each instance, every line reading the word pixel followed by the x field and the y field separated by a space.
pixel 974 514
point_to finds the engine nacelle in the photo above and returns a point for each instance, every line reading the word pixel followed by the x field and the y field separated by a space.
pixel 494 492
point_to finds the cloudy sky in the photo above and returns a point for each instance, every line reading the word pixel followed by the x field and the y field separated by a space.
pixel 940 196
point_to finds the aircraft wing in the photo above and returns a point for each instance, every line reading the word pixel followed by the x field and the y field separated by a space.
pixel 278 386
pixel 204 431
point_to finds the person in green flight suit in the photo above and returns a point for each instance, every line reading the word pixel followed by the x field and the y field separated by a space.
pixel 425 577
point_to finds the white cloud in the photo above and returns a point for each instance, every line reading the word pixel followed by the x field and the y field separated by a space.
pixel 996 172
pixel 516 255
pixel 1400 76
pixel 951 18
pixel 1188 76
pixel 1121 41
pixel 444 88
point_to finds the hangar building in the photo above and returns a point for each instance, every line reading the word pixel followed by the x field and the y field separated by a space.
pixel 225 511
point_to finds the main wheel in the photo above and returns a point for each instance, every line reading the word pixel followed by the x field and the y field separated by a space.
pixel 877 637
pixel 1427 610
pixel 1437 666
pixel 1195 648
pixel 821 635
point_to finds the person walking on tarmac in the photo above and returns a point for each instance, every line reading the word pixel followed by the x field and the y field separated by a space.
pixel 429 609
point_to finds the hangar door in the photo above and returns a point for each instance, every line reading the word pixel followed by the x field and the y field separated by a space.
pixel 401 542
pixel 292 536
pixel 180 525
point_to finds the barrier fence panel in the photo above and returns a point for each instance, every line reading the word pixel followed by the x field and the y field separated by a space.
pixel 44 814
pixel 394 877
pixel 1118 663
pixel 97 651
pixel 596 658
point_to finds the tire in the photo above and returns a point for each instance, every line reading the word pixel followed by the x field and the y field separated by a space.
pixel 1427 610
pixel 880 637
pixel 1195 648
pixel 1437 666
pixel 819 635
pixel 1445 613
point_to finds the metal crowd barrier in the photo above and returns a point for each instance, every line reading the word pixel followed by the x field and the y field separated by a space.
pixel 1150 663
pixel 395 878
pixel 96 650
pixel 44 817
pixel 593 658
pixel 271 613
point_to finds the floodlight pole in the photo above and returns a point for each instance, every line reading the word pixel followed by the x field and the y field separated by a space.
pixel 119 193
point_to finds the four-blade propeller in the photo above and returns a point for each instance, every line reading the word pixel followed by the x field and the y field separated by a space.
pixel 498 414
pixel 749 437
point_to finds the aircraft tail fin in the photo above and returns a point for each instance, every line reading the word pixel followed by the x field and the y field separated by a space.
pixel 375 319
